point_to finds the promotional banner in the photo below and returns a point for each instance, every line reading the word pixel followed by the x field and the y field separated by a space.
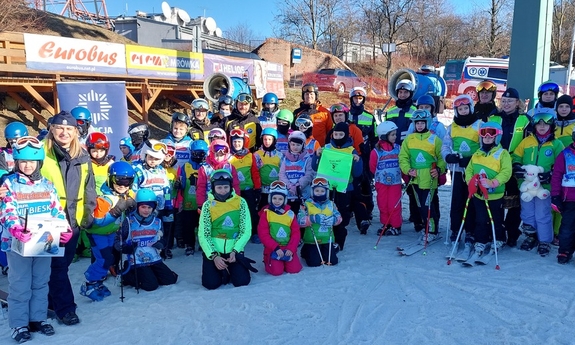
pixel 232 67
pixel 268 77
pixel 164 63
pixel 107 103
pixel 73 55
pixel 335 166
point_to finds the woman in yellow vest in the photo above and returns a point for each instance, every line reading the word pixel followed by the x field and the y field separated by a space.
pixel 225 229
pixel 69 168
pixel 279 232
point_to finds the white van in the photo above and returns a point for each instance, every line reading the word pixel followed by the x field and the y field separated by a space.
pixel 477 69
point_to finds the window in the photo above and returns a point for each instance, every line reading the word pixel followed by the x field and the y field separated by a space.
pixel 497 73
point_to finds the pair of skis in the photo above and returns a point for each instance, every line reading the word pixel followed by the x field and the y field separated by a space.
pixel 416 247
pixel 481 260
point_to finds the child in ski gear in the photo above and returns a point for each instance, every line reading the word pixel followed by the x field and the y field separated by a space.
pixel 179 137
pixel 141 237
pixel 401 112
pixel 384 165
pixel 284 121
pixel 318 114
pixel 563 198
pixel 296 171
pixel 187 220
pixel 426 102
pixel 225 106
pixel 218 158
pixel 485 106
pixel 98 146
pixel 540 149
pixel 139 133
pixel 267 160
pixel 244 117
pixel 420 158
pixel 172 167
pixel 279 232
pixel 115 201
pixel 346 201
pixel 151 174
pixel 565 119
pixel 547 94
pixel 127 149
pixel 340 113
pixel 248 175
pixel 217 134
pixel 224 231
pixel 305 125
pixel 200 124
pixel 12 132
pixel 459 144
pixel 319 215
pixel 28 190
pixel 270 104
pixel 83 118
pixel 490 166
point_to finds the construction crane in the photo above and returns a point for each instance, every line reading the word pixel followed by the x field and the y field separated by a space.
pixel 76 9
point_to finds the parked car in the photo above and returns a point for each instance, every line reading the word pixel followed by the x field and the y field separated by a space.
pixel 335 79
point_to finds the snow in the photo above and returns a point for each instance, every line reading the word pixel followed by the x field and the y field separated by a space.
pixel 370 297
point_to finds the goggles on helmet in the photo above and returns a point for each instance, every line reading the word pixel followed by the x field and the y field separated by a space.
pixel 122 181
pixel 548 118
pixel 358 93
pixel 486 86
pixel 277 186
pixel 171 150
pixel 159 147
pixel 221 148
pixel 22 142
pixel 303 124
pixel 308 88
pixel 489 132
pixel 320 182
pixel 82 122
pixel 461 101
pixel 339 108
pixel 245 98
pixel 549 86
pixel 237 133
pixel 419 115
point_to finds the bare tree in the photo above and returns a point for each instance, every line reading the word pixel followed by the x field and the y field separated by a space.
pixel 15 15
pixel 562 34
pixel 240 33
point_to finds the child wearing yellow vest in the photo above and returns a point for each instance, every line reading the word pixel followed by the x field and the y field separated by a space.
pixel 268 160
pixel 279 232
pixel 172 167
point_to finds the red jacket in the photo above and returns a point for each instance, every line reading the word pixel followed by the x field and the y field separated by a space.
pixel 269 243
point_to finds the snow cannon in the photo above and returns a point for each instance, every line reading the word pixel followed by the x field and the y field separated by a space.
pixel 219 84
pixel 424 83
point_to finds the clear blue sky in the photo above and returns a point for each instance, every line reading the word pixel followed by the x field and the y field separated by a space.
pixel 258 14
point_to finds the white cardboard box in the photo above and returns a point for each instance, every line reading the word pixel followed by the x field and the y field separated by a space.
pixel 45 239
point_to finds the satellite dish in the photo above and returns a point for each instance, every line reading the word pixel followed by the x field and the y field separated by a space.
pixel 166 10
pixel 218 32
pixel 184 16
pixel 210 25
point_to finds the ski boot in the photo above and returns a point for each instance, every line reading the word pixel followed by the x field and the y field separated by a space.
pixel 498 246
pixel 479 248
pixel 42 327
pixel 364 226
pixel 391 231
pixel 563 258
pixel 543 249
pixel 190 251
pixel 382 230
pixel 92 291
pixel 531 237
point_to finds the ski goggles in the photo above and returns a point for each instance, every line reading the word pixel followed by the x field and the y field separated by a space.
pixel 339 108
pixel 82 122
pixel 123 181
pixel 547 118
pixel 461 101
pixel 171 149
pixel 308 88
pixel 358 93
pixel 225 100
pixel 158 147
pixel 244 98
pixel 489 132
pixel 486 85
pixel 23 142
pixel 548 86
pixel 220 148
pixel 320 182
pixel 278 186
pixel 421 115
pixel 237 133
pixel 303 124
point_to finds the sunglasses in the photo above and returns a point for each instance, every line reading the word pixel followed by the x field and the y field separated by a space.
pixel 489 132
pixel 320 182
pixel 23 142
pixel 461 101
pixel 549 87
pixel 339 108
pixel 122 181
pixel 245 98
pixel 545 117
pixel 303 124
pixel 486 86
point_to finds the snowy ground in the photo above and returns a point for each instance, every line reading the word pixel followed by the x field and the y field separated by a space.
pixel 371 297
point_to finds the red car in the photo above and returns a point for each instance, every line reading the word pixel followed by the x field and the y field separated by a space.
pixel 335 79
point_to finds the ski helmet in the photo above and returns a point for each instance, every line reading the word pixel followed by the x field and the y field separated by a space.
pixel 121 173
pixel 463 100
pixel 270 131
pixel 199 150
pixel 285 115
pixel 225 100
pixel 548 86
pixel 278 188
pixel 384 128
pixel 421 115
pixel 310 87
pixel 28 148
pixel 271 98
pixel 83 118
pixel 15 130
pixel 405 84
pixel 491 128
pixel 139 132
pixel 357 91
pixel 320 182
pixel 146 196
pixel 221 177
pixel 180 117
pixel 217 133
pixel 428 100
pixel 98 140
pixel 155 149
pixel 547 115
pixel 127 141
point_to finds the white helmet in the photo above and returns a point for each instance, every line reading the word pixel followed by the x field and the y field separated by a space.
pixel 384 128
pixel 462 99
pixel 299 136
pixel 155 149
pixel 358 91
pixel 405 84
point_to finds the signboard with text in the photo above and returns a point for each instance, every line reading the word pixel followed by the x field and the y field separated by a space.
pixel 164 63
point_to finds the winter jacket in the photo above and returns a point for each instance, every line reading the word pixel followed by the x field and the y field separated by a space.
pixel 365 122
pixel 357 139
pixel 157 180
pixel 384 163
pixel 496 164
pixel 461 139
pixel 356 167
pixel 268 164
pixel 485 110
pixel 247 170
pixel 530 151
pixel 515 127
pixel 204 173
pixel 143 240
pixel 199 130
pixel 563 179
pixel 104 222
pixel 322 121
pixel 250 124
pixel 435 127
pixel 401 116
pixel 563 131
pixel 296 171
pixel 419 151
pixel 270 243
pixel 73 179
pixel 183 154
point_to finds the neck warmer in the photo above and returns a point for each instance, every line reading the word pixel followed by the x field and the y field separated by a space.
pixel 465 120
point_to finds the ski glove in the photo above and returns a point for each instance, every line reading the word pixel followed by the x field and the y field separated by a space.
pixel 545 177
pixel 246 262
pixel 158 245
pixel 557 203
pixel 121 206
pixel 20 233
pixel 464 161
pixel 168 219
pixel 518 171
pixel 66 236
pixel 452 158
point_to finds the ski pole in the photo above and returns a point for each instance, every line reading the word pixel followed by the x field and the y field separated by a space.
pixel 428 204
pixel 459 232
pixel 493 233
pixel 450 202
pixel 393 211
pixel 302 207
pixel 329 252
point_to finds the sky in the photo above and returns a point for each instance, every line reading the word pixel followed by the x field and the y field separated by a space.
pixel 258 14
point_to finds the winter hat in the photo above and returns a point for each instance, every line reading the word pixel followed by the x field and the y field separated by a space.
pixel 511 93
pixel 342 127
pixel 565 99
pixel 64 118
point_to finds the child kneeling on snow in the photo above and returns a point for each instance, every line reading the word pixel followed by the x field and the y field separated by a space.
pixel 319 215
pixel 28 276
pixel 142 239
pixel 279 232
pixel 225 229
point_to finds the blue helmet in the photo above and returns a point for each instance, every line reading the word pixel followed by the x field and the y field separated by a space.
pixel 146 195
pixel 426 99
pixel 270 131
pixel 421 115
pixel 81 113
pixel 28 148
pixel 199 150
pixel 270 98
pixel 491 128
pixel 15 130
pixel 127 141
pixel 121 173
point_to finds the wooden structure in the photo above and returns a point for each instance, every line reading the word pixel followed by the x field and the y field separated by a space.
pixel 16 80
